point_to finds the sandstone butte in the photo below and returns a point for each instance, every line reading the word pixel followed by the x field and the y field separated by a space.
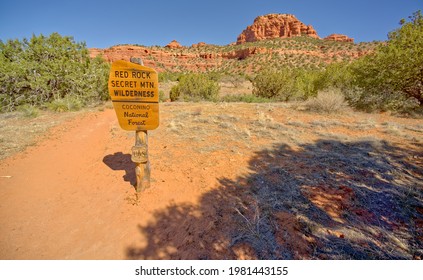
pixel 174 45
pixel 203 57
pixel 339 38
pixel 275 26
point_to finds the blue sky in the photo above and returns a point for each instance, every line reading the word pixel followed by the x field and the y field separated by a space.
pixel 106 23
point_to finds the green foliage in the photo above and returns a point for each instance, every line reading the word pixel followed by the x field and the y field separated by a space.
pixel 274 84
pixel 42 69
pixel 335 75
pixel 305 82
pixel 371 100
pixel 195 87
pixel 285 84
pixel 396 68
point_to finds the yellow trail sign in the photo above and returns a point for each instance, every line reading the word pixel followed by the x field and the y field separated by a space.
pixel 134 90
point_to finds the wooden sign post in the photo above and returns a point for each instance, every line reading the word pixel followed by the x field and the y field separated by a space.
pixel 134 90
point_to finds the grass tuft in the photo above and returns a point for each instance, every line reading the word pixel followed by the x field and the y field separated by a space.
pixel 29 111
pixel 327 101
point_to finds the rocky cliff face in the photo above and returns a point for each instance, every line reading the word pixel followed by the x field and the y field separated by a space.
pixel 275 26
pixel 339 38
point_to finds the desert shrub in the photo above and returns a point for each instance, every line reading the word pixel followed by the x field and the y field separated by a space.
pixel 195 87
pixel 162 96
pixel 274 84
pixel 335 75
pixel 174 93
pixel 396 68
pixel 42 69
pixel 327 101
pixel 304 83
pixel 379 100
pixel 286 84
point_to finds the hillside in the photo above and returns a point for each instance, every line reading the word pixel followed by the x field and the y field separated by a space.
pixel 274 39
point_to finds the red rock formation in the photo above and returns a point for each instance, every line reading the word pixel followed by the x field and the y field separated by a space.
pixel 175 57
pixel 201 44
pixel 275 26
pixel 161 59
pixel 339 38
pixel 174 45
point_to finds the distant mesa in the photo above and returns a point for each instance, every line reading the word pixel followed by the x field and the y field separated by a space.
pixel 200 44
pixel 275 26
pixel 339 38
pixel 174 45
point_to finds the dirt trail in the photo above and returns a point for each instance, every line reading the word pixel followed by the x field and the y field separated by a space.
pixel 71 196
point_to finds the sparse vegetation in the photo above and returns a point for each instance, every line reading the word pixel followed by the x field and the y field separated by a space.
pixel 195 87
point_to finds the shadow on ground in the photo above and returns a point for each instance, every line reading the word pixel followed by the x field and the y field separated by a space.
pixel 326 200
pixel 120 161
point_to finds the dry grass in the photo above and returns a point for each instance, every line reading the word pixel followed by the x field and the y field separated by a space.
pixel 327 101
pixel 304 184
pixel 26 127
pixel 307 164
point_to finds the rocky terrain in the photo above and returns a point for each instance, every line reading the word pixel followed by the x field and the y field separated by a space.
pixel 280 39
pixel 275 26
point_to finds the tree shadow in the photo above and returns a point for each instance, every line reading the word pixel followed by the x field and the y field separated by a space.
pixel 326 200
pixel 120 161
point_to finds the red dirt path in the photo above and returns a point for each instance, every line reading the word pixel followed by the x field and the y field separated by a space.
pixel 71 195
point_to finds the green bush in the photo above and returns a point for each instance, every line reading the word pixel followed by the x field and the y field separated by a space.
pixel 395 69
pixel 285 84
pixel 274 84
pixel 304 83
pixel 335 75
pixel 42 69
pixel 372 100
pixel 195 87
